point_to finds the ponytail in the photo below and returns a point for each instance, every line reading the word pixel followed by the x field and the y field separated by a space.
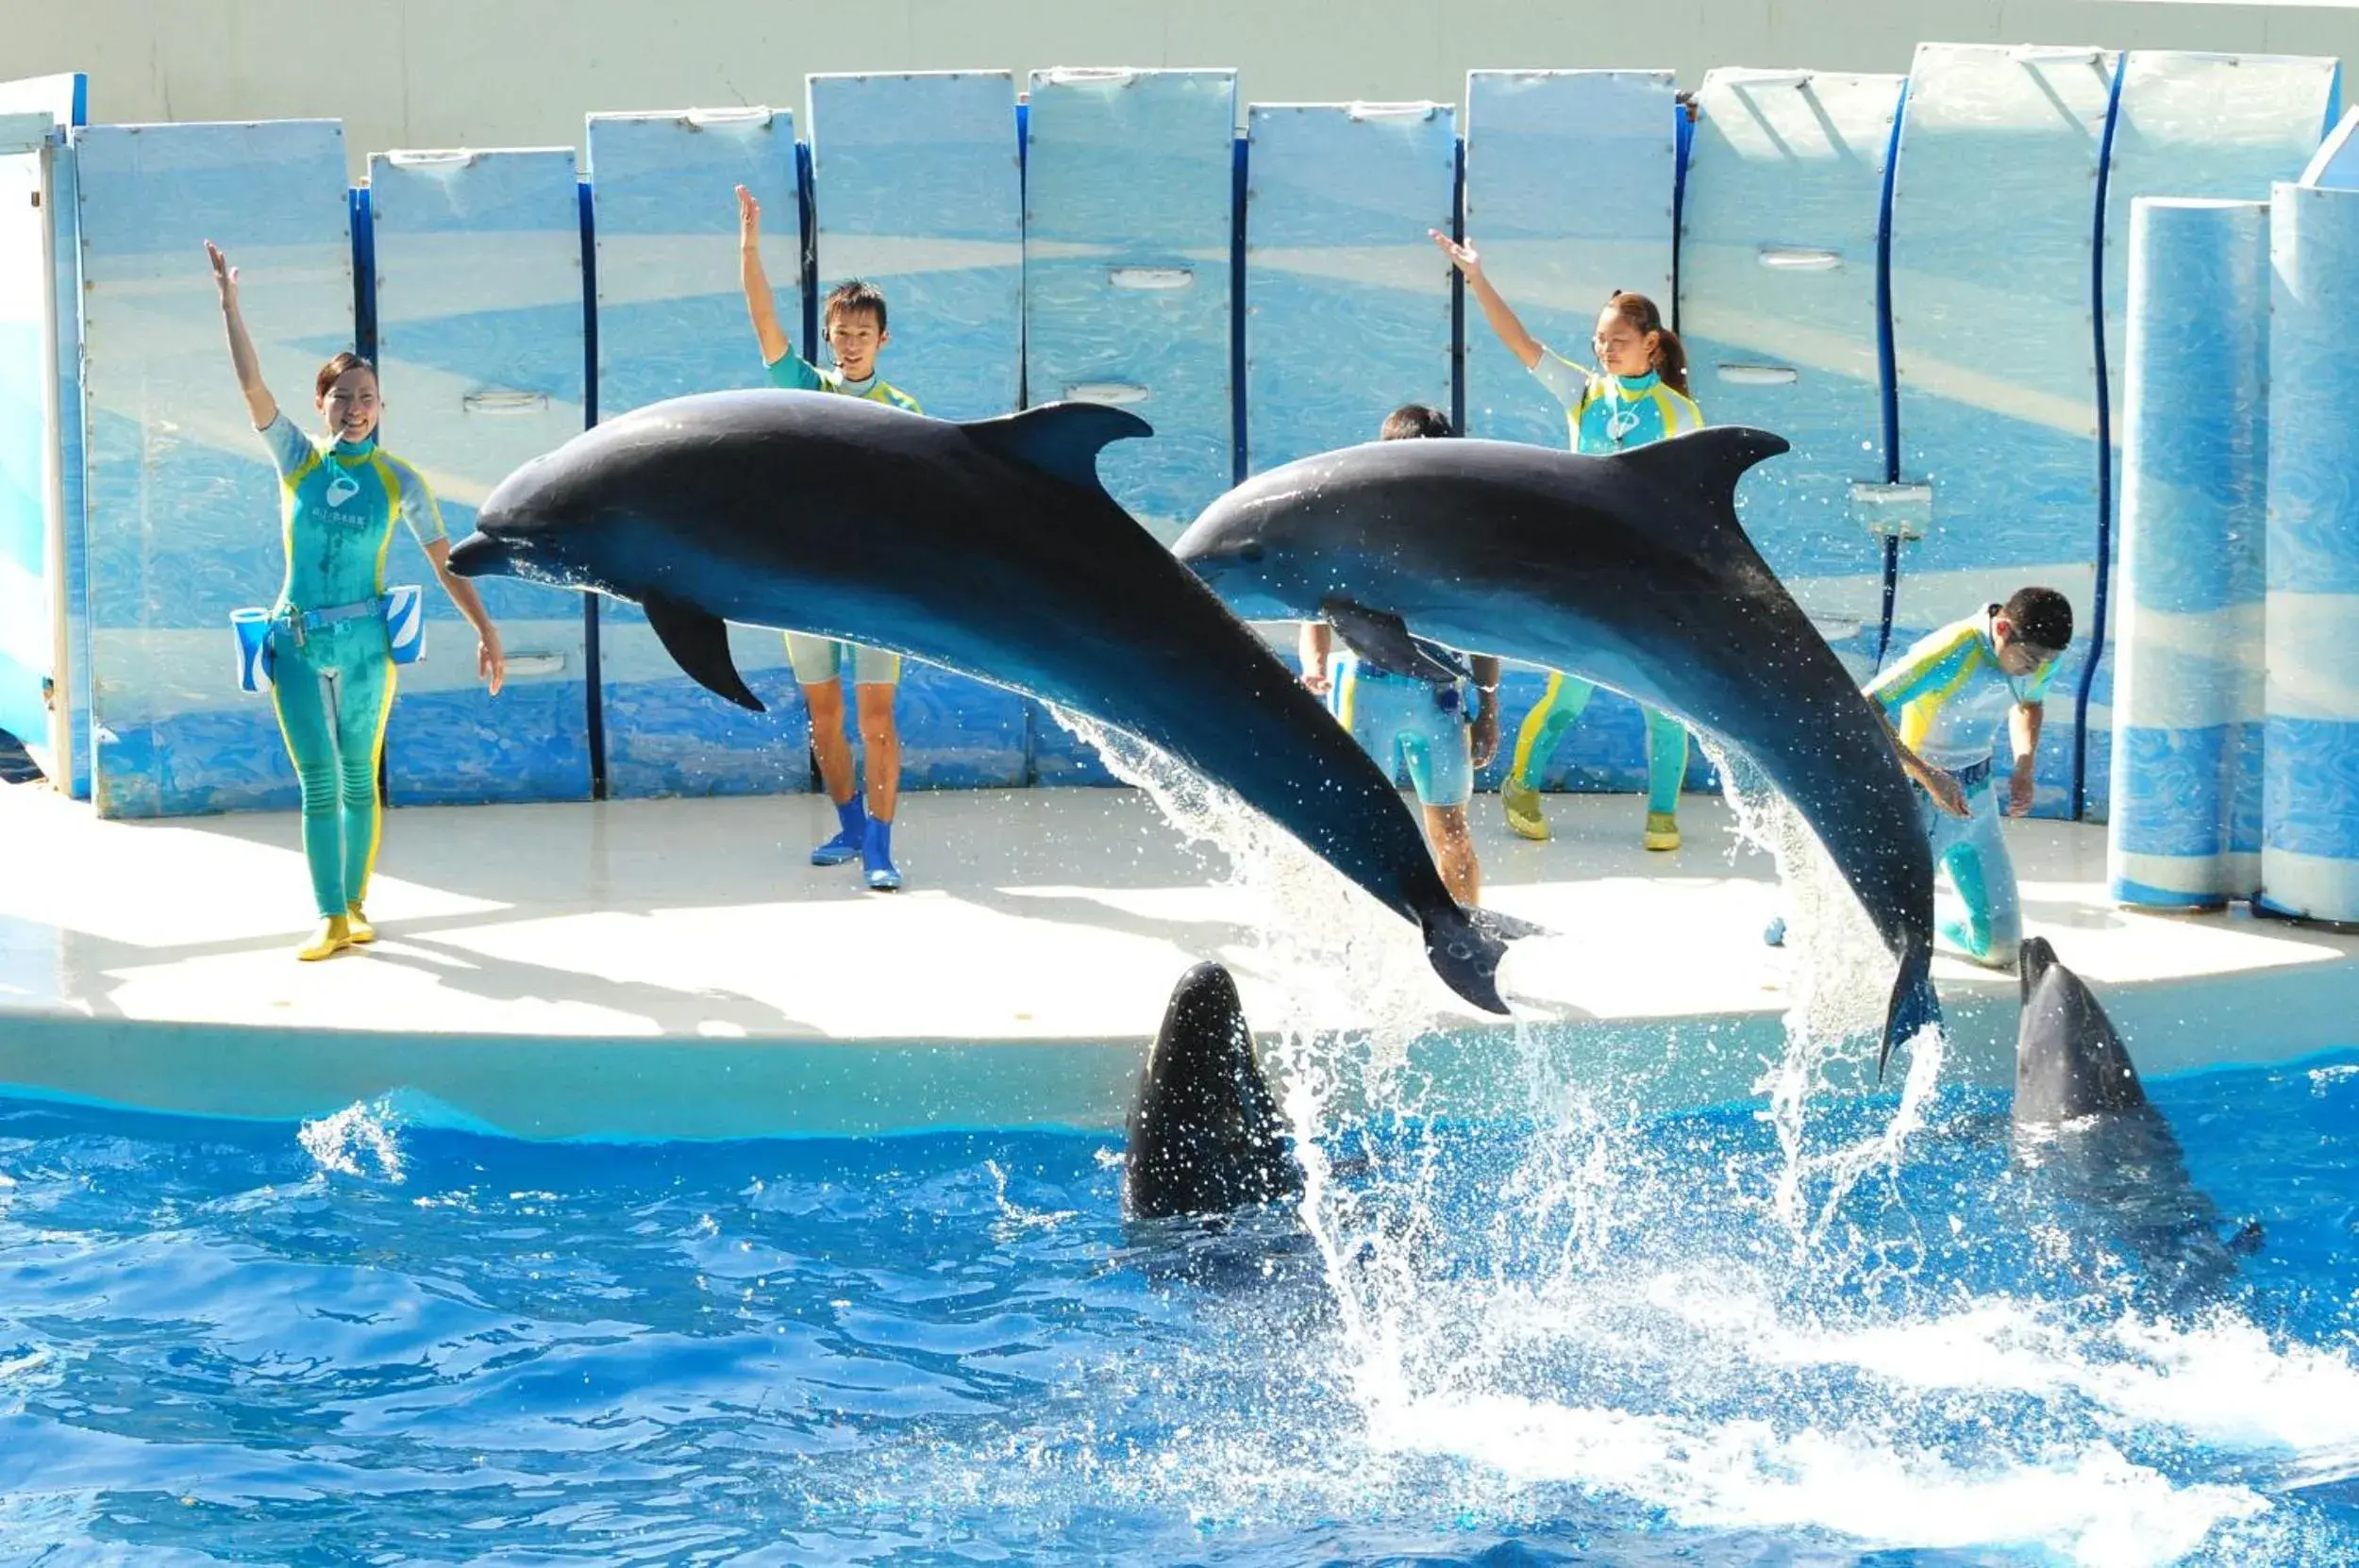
pixel 1670 354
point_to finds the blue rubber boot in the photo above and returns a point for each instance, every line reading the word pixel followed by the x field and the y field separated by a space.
pixel 846 844
pixel 877 855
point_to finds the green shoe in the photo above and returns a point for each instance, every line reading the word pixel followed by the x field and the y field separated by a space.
pixel 1663 830
pixel 1522 805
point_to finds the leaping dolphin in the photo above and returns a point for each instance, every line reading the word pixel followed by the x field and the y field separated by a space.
pixel 1631 569
pixel 2081 1117
pixel 1204 1132
pixel 989 548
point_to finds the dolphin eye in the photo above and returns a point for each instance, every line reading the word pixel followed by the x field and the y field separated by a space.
pixel 1250 554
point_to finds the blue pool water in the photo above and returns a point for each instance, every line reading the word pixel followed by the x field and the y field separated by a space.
pixel 1584 1338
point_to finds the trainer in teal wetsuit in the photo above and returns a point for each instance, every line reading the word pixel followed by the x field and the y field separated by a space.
pixel 330 656
pixel 1606 413
pixel 332 664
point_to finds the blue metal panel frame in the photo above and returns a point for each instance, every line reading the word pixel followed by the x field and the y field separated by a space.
pixel 1570 186
pixel 1129 196
pixel 1346 306
pixel 1782 277
pixel 182 503
pixel 1995 352
pixel 917 187
pixel 672 322
pixel 477 282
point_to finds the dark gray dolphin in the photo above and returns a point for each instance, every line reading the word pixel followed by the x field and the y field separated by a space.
pixel 2083 1120
pixel 1629 570
pixel 988 548
pixel 1204 1133
pixel 2068 1060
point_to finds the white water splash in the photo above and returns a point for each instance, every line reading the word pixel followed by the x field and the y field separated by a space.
pixel 1605 1329
pixel 362 1141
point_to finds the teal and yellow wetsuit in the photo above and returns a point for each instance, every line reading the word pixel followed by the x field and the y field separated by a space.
pixel 1605 415
pixel 332 663
pixel 1948 697
pixel 820 660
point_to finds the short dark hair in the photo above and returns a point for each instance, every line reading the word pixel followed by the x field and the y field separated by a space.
pixel 1412 420
pixel 2042 618
pixel 328 372
pixel 854 294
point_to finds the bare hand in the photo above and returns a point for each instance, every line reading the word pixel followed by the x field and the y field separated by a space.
pixel 748 217
pixel 1318 683
pixel 1486 732
pixel 225 276
pixel 1946 791
pixel 1464 257
pixel 2021 791
pixel 490 661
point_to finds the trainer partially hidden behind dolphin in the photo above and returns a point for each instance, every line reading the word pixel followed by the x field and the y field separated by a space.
pixel 1631 569
pixel 989 548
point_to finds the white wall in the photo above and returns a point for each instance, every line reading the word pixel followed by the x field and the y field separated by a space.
pixel 522 73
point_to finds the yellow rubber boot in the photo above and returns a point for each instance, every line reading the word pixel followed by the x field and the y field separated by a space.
pixel 1663 830
pixel 1522 804
pixel 333 937
pixel 357 923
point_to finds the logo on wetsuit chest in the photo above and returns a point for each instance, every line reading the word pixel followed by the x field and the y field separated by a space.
pixel 341 487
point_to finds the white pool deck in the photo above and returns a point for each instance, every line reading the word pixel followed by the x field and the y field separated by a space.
pixel 676 969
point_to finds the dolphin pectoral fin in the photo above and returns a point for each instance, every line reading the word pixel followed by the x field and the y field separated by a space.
pixel 1061 438
pixel 1383 641
pixel 1465 956
pixel 699 644
pixel 1914 1004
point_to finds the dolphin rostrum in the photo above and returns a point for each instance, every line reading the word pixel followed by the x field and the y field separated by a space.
pixel 989 548
pixel 2082 1117
pixel 1204 1133
pixel 1631 569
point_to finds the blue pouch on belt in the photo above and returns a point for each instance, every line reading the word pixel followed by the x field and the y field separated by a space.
pixel 403 607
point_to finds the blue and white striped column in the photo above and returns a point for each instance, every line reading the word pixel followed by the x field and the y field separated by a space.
pixel 2185 824
pixel 2310 797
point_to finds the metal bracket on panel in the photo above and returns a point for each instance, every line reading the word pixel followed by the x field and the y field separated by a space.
pixel 1151 278
pixel 1892 510
pixel 1115 393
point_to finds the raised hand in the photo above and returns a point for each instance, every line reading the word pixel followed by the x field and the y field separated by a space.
pixel 1464 257
pixel 225 276
pixel 748 217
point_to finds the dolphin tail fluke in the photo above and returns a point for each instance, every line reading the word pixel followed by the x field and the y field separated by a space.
pixel 1466 956
pixel 698 642
pixel 1914 1004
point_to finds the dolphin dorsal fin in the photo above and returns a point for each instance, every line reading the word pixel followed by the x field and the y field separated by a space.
pixel 1704 464
pixel 1063 439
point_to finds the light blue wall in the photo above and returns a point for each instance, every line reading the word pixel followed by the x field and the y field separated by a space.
pixel 1782 310
pixel 1348 304
pixel 1130 199
pixel 1570 179
pixel 182 511
pixel 918 187
pixel 36 583
pixel 480 354
pixel 1096 256
pixel 672 320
